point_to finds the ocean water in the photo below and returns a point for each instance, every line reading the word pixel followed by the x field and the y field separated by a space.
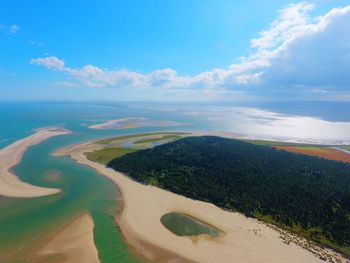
pixel 26 224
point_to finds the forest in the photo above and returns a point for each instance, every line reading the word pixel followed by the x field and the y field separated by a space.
pixel 305 194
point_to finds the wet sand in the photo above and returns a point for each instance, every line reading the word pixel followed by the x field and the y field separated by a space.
pixel 118 123
pixel 129 123
pixel 75 243
pixel 10 156
pixel 244 239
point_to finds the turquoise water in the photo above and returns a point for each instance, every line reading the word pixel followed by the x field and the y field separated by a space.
pixel 26 224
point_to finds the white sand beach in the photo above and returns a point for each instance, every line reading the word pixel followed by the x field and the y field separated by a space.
pixel 10 184
pixel 244 239
pixel 75 242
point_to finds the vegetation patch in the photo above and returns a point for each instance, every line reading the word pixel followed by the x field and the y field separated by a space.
pixel 112 147
pixel 141 136
pixel 152 140
pixel 104 156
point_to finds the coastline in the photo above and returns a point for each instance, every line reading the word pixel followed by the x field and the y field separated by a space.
pixel 74 243
pixel 11 155
pixel 245 239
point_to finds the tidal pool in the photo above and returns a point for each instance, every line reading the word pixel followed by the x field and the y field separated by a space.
pixel 185 225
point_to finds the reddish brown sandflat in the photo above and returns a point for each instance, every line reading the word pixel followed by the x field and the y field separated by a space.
pixel 323 152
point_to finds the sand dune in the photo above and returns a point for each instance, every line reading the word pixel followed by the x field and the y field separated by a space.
pixel 244 240
pixel 11 155
pixel 75 243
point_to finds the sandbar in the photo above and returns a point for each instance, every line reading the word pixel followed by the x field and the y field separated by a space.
pixel 129 123
pixel 11 155
pixel 75 243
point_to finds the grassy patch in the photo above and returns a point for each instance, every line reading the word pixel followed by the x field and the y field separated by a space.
pixel 106 155
pixel 140 135
pixel 165 137
pixel 113 145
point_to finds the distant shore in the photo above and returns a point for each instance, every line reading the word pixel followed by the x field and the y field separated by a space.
pixel 128 122
pixel 244 239
pixel 10 156
pixel 134 122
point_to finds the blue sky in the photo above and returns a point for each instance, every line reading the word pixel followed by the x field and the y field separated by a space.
pixel 174 50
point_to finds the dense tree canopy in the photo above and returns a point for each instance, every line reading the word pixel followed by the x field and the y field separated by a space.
pixel 304 193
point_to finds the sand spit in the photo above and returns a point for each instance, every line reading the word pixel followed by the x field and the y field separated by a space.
pixel 75 243
pixel 129 123
pixel 244 239
pixel 114 123
pixel 11 155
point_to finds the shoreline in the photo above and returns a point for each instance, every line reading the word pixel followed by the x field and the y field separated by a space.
pixel 245 239
pixel 74 242
pixel 11 155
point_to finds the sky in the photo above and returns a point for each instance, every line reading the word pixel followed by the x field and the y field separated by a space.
pixel 175 50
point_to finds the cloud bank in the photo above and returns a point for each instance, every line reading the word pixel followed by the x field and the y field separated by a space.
pixel 297 54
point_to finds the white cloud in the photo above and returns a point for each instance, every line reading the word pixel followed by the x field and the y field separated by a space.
pixel 320 58
pixel 14 29
pixel 297 50
pixel 93 76
pixel 292 22
pixel 49 62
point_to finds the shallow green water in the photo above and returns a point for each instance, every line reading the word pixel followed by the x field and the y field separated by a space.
pixel 24 223
pixel 184 225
